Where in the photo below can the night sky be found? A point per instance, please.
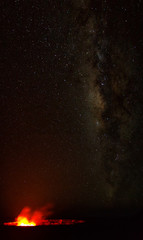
(71, 105)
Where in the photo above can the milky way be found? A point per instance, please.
(110, 74)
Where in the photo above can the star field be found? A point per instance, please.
(71, 104)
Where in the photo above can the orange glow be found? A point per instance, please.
(48, 222)
(29, 218)
(23, 221)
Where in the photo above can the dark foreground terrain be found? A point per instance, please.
(123, 228)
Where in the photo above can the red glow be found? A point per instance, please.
(27, 218)
(47, 222)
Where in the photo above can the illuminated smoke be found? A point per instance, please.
(29, 218)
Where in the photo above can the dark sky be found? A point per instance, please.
(71, 105)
